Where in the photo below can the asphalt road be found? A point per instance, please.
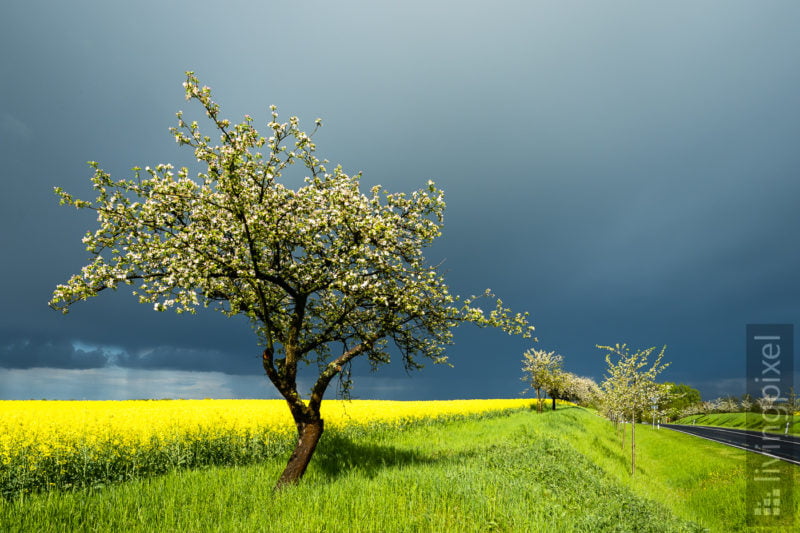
(785, 447)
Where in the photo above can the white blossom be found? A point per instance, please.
(318, 268)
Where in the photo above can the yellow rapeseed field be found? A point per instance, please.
(56, 444)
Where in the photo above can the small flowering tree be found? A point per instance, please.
(558, 386)
(746, 403)
(631, 383)
(765, 403)
(324, 272)
(792, 401)
(542, 370)
(613, 407)
(582, 390)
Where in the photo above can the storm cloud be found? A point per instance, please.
(625, 171)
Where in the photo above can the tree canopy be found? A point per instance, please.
(682, 396)
(324, 272)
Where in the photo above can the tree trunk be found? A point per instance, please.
(554, 403)
(538, 401)
(283, 374)
(633, 445)
(309, 433)
(622, 435)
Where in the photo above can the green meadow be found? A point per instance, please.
(556, 471)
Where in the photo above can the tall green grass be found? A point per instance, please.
(503, 474)
(695, 478)
(555, 471)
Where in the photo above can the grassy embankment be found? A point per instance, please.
(562, 471)
(695, 478)
(754, 421)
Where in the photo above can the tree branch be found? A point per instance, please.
(332, 369)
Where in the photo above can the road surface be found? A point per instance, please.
(785, 447)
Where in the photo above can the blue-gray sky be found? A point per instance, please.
(625, 171)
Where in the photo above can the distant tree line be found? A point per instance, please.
(742, 404)
(545, 374)
(626, 394)
(630, 393)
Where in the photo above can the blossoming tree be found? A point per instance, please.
(630, 385)
(543, 371)
(324, 272)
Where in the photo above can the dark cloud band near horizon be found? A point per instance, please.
(26, 354)
(627, 172)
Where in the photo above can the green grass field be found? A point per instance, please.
(754, 421)
(558, 471)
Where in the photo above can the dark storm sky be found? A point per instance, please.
(625, 171)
